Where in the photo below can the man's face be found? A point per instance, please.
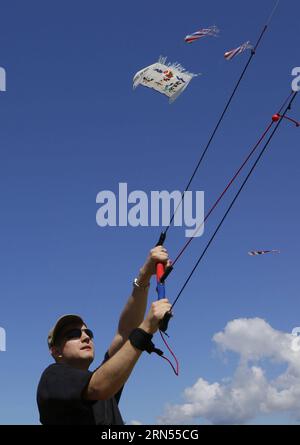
(72, 349)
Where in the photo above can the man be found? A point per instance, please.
(70, 394)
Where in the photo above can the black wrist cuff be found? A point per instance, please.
(141, 340)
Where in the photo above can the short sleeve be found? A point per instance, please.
(60, 399)
(61, 382)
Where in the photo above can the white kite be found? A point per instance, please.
(169, 79)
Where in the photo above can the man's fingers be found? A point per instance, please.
(158, 251)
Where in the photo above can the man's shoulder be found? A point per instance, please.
(60, 380)
(53, 368)
(48, 373)
(63, 368)
(59, 371)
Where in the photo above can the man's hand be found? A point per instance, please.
(156, 255)
(156, 313)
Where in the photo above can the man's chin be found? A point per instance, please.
(88, 356)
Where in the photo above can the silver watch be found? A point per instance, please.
(139, 286)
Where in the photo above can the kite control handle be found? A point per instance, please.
(161, 275)
(161, 293)
(163, 325)
(160, 286)
(164, 273)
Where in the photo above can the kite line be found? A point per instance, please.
(235, 197)
(253, 52)
(161, 272)
(275, 118)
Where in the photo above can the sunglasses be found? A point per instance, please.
(76, 333)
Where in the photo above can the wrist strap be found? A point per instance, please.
(141, 340)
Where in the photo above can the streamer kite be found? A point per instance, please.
(234, 52)
(211, 31)
(262, 252)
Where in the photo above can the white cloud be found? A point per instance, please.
(134, 422)
(248, 393)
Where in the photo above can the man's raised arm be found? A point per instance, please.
(135, 308)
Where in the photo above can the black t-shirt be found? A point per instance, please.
(60, 401)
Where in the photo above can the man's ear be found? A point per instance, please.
(56, 352)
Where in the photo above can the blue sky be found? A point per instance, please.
(71, 126)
